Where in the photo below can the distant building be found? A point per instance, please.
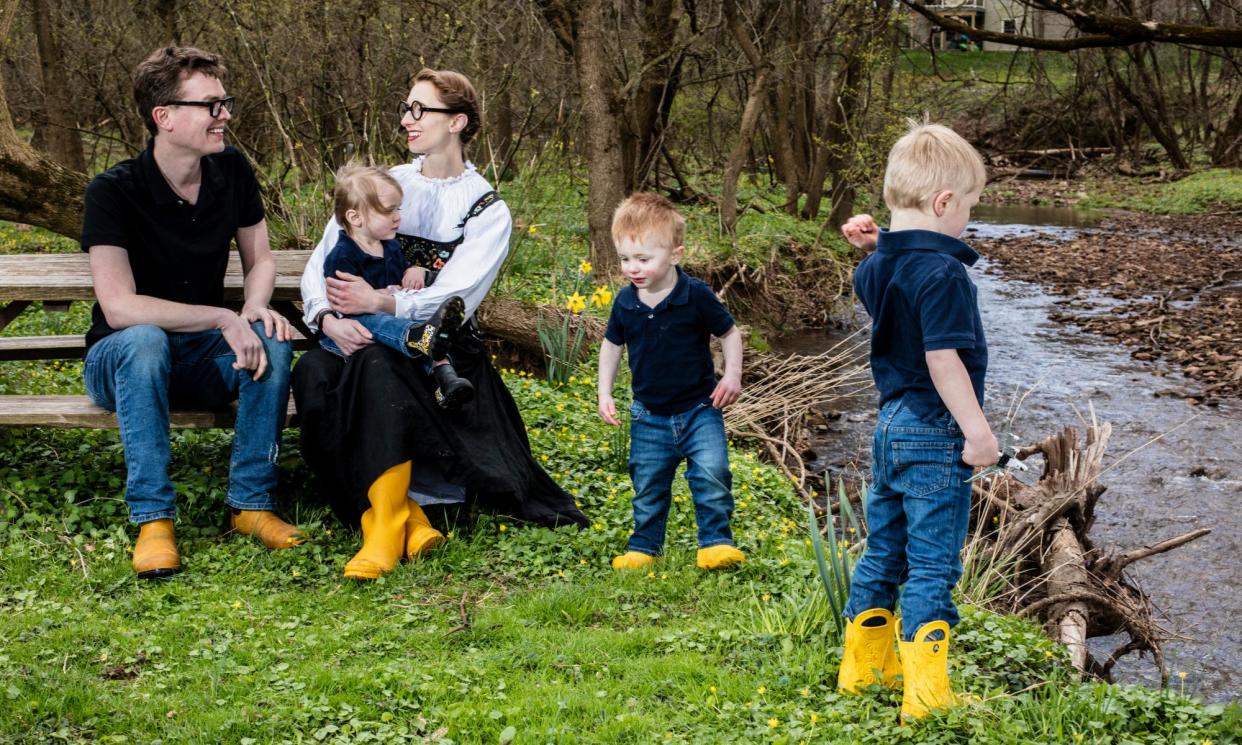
(1000, 16)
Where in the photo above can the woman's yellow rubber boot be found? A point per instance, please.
(420, 537)
(925, 671)
(383, 526)
(155, 552)
(869, 653)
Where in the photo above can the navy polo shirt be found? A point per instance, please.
(378, 271)
(668, 345)
(920, 298)
(177, 251)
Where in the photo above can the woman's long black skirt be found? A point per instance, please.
(362, 416)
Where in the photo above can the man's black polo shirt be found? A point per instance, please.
(668, 345)
(177, 251)
(920, 298)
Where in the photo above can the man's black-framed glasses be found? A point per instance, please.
(213, 107)
(416, 110)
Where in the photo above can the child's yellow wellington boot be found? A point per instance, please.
(155, 552)
(420, 537)
(632, 560)
(925, 671)
(383, 526)
(870, 656)
(267, 527)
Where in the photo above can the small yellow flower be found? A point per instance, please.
(585, 267)
(1181, 674)
(1048, 653)
(814, 717)
(545, 457)
(531, 230)
(296, 573)
(576, 303)
(805, 691)
(773, 723)
(650, 575)
(762, 690)
(712, 689)
(236, 604)
(503, 527)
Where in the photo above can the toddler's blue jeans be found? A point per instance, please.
(140, 371)
(390, 331)
(658, 444)
(918, 509)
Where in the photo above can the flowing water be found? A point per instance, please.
(1171, 467)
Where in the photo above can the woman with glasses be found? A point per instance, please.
(371, 428)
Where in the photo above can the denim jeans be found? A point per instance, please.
(918, 508)
(141, 371)
(390, 331)
(658, 444)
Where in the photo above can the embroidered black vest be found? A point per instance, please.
(432, 255)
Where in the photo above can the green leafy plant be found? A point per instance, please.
(835, 566)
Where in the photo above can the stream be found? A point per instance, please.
(1171, 467)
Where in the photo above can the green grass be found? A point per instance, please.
(1215, 190)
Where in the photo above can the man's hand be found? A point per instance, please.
(982, 451)
(608, 411)
(351, 295)
(348, 334)
(861, 232)
(415, 278)
(273, 322)
(727, 391)
(245, 344)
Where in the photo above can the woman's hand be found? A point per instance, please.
(348, 334)
(351, 295)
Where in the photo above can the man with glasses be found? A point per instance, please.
(159, 229)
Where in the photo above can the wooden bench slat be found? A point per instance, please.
(42, 347)
(69, 412)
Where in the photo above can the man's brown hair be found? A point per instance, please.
(457, 92)
(157, 79)
(645, 216)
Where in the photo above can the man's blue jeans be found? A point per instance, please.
(918, 509)
(658, 444)
(390, 331)
(140, 371)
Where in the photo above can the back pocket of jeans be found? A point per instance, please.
(923, 467)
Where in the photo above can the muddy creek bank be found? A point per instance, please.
(1172, 466)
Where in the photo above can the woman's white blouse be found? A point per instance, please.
(431, 208)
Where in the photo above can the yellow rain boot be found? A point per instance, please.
(870, 656)
(632, 560)
(155, 552)
(719, 557)
(383, 526)
(420, 537)
(267, 527)
(925, 672)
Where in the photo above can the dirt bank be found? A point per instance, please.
(1169, 288)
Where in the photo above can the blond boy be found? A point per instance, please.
(665, 319)
(928, 357)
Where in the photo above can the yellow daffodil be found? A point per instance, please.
(576, 303)
(601, 297)
(585, 267)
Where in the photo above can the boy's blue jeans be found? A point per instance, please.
(140, 371)
(390, 331)
(918, 509)
(658, 444)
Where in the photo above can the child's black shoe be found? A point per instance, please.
(436, 336)
(454, 391)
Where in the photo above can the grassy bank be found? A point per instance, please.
(1217, 190)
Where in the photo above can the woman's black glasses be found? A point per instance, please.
(213, 107)
(416, 110)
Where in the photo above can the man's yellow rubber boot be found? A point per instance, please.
(383, 526)
(420, 537)
(870, 656)
(719, 557)
(267, 527)
(925, 671)
(633, 560)
(155, 553)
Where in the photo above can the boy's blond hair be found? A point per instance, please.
(930, 158)
(647, 216)
(357, 188)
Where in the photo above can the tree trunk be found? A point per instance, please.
(602, 135)
(741, 148)
(60, 126)
(33, 188)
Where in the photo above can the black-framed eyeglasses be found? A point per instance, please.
(416, 110)
(213, 107)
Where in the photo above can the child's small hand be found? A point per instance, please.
(415, 278)
(727, 391)
(608, 411)
(981, 452)
(861, 232)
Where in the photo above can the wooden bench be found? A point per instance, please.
(56, 279)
